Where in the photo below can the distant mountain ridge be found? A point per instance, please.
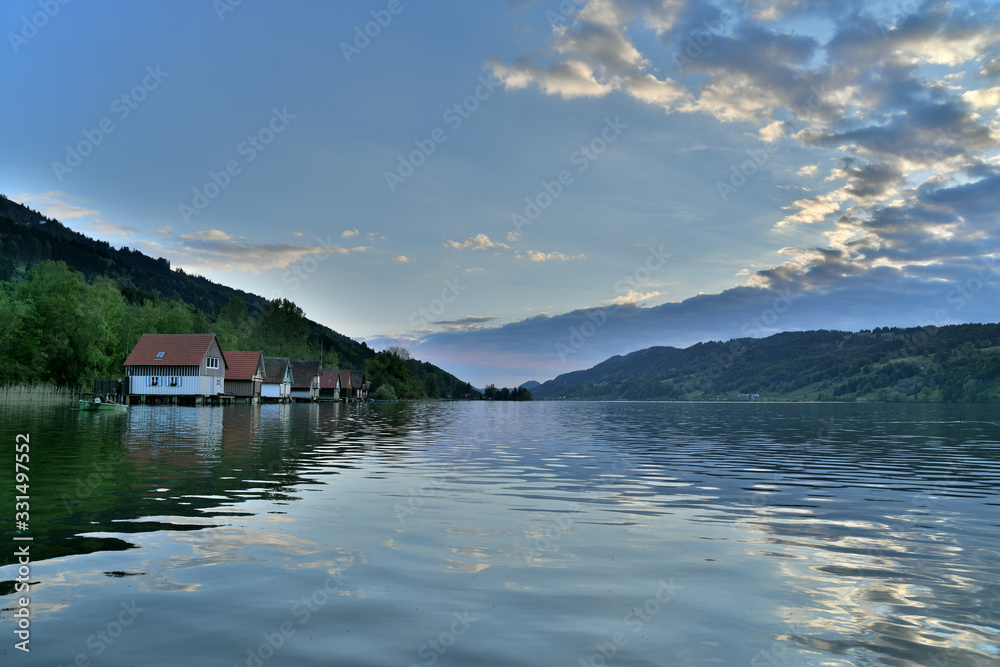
(955, 363)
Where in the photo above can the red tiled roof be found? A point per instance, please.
(345, 379)
(178, 350)
(329, 380)
(241, 365)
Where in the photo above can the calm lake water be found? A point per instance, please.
(508, 534)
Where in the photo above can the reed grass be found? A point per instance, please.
(37, 393)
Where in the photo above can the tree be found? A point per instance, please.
(385, 392)
(234, 326)
(389, 368)
(431, 387)
(284, 331)
(66, 331)
(399, 351)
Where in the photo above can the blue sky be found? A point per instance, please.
(517, 189)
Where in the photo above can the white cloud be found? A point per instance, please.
(110, 228)
(477, 242)
(54, 204)
(537, 256)
(633, 297)
(571, 79)
(208, 235)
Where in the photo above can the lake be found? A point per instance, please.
(547, 533)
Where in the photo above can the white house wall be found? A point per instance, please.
(186, 385)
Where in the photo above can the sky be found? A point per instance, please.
(517, 189)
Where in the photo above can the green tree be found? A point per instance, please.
(236, 328)
(385, 392)
(68, 334)
(389, 367)
(284, 331)
(13, 318)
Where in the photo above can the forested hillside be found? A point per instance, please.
(72, 308)
(958, 363)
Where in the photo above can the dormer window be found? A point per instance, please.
(159, 355)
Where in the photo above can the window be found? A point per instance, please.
(173, 382)
(159, 355)
(211, 362)
(154, 381)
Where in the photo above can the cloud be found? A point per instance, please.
(110, 228)
(348, 233)
(477, 242)
(536, 256)
(545, 346)
(569, 80)
(402, 259)
(208, 235)
(54, 204)
(909, 210)
(483, 242)
(633, 297)
(214, 249)
(466, 323)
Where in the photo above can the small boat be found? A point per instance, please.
(100, 405)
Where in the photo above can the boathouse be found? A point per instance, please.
(329, 386)
(352, 385)
(305, 380)
(276, 384)
(244, 374)
(345, 384)
(359, 386)
(170, 366)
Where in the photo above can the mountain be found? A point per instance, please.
(955, 363)
(27, 238)
(531, 384)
